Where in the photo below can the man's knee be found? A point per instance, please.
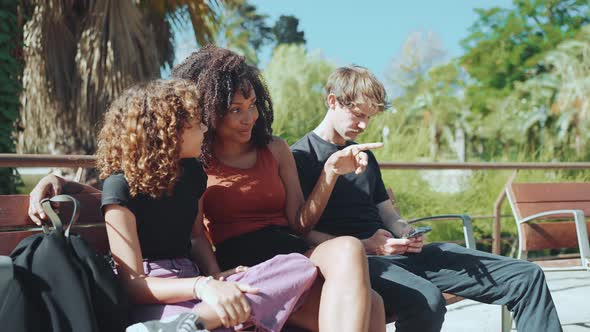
(425, 314)
(423, 306)
(434, 307)
(528, 273)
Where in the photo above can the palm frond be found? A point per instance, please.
(116, 49)
(47, 80)
(203, 15)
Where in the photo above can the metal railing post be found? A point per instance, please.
(497, 227)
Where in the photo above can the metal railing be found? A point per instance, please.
(84, 161)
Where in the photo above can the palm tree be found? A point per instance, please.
(436, 100)
(79, 54)
(556, 104)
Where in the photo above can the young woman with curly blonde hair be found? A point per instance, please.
(147, 152)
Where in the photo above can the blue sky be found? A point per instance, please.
(369, 32)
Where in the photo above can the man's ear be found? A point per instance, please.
(332, 101)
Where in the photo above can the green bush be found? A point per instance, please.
(10, 70)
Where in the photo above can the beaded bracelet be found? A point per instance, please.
(199, 285)
(195, 288)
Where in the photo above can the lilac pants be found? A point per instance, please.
(282, 280)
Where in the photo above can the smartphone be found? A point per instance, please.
(418, 231)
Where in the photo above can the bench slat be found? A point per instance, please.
(560, 263)
(549, 235)
(13, 214)
(551, 192)
(529, 209)
(452, 298)
(13, 210)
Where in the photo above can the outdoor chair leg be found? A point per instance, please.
(506, 319)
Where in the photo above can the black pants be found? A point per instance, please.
(411, 286)
(256, 247)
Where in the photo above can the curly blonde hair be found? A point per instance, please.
(142, 133)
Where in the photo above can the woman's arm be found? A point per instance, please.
(49, 186)
(302, 214)
(202, 253)
(124, 243)
(225, 298)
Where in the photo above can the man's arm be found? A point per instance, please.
(303, 214)
(392, 220)
(382, 242)
(399, 227)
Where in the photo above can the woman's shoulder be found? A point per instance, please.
(115, 181)
(278, 147)
(194, 175)
(278, 144)
(193, 166)
(115, 190)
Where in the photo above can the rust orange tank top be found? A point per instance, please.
(239, 201)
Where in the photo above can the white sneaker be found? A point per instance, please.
(184, 322)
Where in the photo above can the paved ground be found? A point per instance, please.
(571, 294)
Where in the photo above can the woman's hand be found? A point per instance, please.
(350, 159)
(228, 300)
(223, 275)
(49, 186)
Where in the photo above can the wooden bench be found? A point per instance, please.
(16, 225)
(505, 316)
(552, 216)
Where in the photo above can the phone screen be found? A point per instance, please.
(419, 231)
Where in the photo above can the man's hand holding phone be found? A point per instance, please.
(416, 238)
(416, 232)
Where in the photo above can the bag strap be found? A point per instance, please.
(55, 220)
(6, 271)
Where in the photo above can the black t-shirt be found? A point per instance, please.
(164, 224)
(352, 207)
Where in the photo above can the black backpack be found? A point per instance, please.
(56, 282)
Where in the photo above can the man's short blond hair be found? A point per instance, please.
(353, 85)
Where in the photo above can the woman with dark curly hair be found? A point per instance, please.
(147, 152)
(254, 206)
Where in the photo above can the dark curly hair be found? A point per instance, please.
(219, 73)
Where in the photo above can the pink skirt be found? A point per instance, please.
(282, 280)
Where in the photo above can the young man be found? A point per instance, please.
(408, 275)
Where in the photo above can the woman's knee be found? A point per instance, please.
(377, 317)
(347, 247)
(342, 256)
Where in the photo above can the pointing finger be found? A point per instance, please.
(368, 146)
